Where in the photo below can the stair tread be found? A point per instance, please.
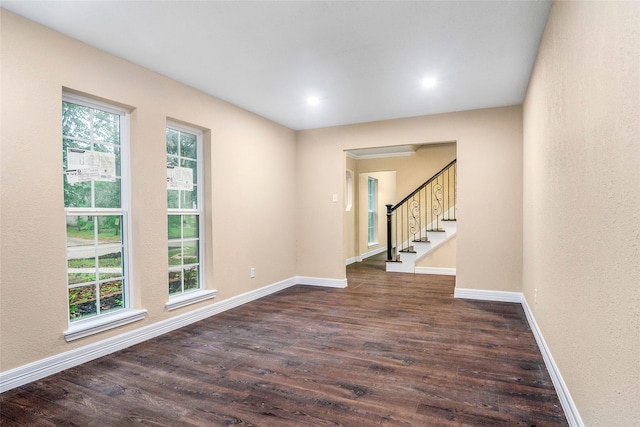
(422, 240)
(437, 230)
(452, 220)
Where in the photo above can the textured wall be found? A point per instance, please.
(252, 176)
(489, 151)
(411, 172)
(444, 256)
(581, 273)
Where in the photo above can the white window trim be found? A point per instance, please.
(190, 297)
(375, 212)
(196, 295)
(93, 325)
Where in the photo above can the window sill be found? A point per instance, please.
(370, 245)
(189, 298)
(84, 328)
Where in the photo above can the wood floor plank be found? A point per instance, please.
(389, 350)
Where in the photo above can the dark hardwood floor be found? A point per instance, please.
(394, 350)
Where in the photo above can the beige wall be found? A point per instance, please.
(412, 171)
(251, 187)
(581, 273)
(579, 268)
(444, 256)
(489, 152)
(266, 184)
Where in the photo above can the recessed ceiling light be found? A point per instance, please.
(313, 100)
(429, 82)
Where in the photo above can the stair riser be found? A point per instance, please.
(408, 259)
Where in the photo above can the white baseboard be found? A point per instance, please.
(51, 365)
(319, 281)
(481, 294)
(365, 255)
(372, 253)
(568, 405)
(436, 270)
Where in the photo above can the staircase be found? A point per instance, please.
(422, 221)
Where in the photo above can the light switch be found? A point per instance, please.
(335, 198)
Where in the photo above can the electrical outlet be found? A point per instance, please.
(252, 272)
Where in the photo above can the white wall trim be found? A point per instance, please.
(377, 156)
(352, 260)
(436, 270)
(480, 294)
(452, 212)
(189, 298)
(102, 323)
(381, 152)
(374, 252)
(51, 365)
(319, 281)
(568, 405)
(437, 242)
(365, 255)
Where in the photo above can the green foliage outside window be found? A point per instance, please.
(183, 227)
(94, 242)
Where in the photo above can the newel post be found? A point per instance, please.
(389, 257)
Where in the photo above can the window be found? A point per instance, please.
(372, 201)
(184, 202)
(94, 150)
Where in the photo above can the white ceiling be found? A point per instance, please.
(365, 60)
